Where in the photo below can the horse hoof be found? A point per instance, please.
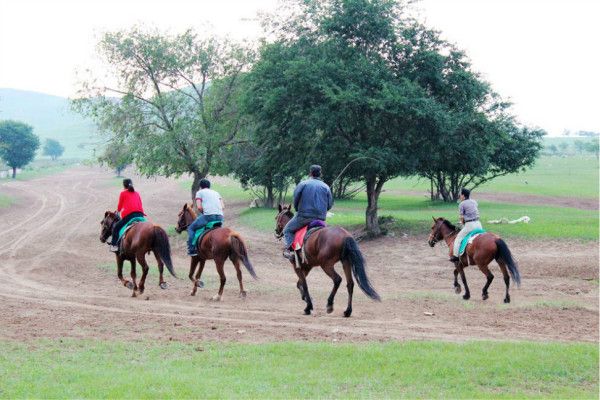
(133, 294)
(243, 294)
(193, 294)
(141, 290)
(507, 300)
(216, 298)
(329, 309)
(200, 284)
(129, 285)
(163, 285)
(466, 296)
(347, 313)
(307, 312)
(485, 296)
(457, 289)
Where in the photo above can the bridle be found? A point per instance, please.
(279, 226)
(433, 236)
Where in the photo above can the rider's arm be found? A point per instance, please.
(461, 214)
(120, 204)
(199, 204)
(298, 195)
(329, 199)
(222, 204)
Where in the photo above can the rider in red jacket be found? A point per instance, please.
(130, 206)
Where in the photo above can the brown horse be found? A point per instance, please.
(324, 248)
(140, 239)
(218, 244)
(484, 248)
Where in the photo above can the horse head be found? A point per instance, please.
(107, 223)
(185, 217)
(282, 218)
(440, 230)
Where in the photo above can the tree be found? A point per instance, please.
(563, 146)
(176, 108)
(53, 149)
(18, 144)
(116, 156)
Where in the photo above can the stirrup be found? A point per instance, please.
(289, 254)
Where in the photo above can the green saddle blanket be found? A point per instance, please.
(200, 232)
(465, 241)
(134, 220)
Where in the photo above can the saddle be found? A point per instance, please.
(200, 233)
(301, 237)
(124, 229)
(469, 239)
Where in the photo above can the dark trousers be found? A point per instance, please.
(120, 224)
(200, 222)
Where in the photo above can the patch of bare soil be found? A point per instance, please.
(58, 280)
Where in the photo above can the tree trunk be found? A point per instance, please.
(373, 191)
(270, 197)
(14, 174)
(198, 176)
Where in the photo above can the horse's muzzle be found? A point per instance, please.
(431, 243)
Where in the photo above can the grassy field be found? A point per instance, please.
(5, 201)
(94, 369)
(575, 176)
(42, 167)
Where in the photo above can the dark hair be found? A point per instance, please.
(465, 192)
(204, 184)
(315, 171)
(128, 184)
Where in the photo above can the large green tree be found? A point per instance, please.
(53, 148)
(18, 144)
(171, 101)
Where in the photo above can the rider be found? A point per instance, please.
(129, 207)
(312, 200)
(210, 208)
(469, 217)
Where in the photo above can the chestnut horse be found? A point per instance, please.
(324, 248)
(218, 244)
(484, 248)
(141, 238)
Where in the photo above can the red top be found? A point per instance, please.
(129, 202)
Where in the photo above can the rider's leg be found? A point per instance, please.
(194, 226)
(293, 225)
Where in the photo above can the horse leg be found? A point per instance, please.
(350, 285)
(299, 283)
(142, 260)
(196, 279)
(506, 280)
(125, 282)
(161, 281)
(337, 280)
(236, 264)
(467, 294)
(490, 278)
(457, 288)
(304, 289)
(220, 270)
(133, 276)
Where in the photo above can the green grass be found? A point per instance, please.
(413, 215)
(40, 168)
(94, 369)
(575, 176)
(5, 201)
(228, 188)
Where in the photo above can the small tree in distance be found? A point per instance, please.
(116, 156)
(18, 144)
(53, 149)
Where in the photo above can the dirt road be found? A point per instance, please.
(58, 280)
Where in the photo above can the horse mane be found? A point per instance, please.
(449, 225)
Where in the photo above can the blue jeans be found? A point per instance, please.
(200, 222)
(296, 223)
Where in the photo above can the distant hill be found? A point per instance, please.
(50, 117)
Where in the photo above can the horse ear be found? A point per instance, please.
(106, 214)
(289, 207)
(279, 207)
(185, 206)
(434, 220)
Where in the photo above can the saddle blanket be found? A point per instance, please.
(205, 229)
(469, 239)
(300, 235)
(131, 223)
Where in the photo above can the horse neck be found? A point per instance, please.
(448, 234)
(192, 216)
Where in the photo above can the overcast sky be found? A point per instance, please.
(542, 55)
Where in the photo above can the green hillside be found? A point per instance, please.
(50, 117)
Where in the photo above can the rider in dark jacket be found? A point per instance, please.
(312, 200)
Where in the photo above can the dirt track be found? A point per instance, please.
(58, 280)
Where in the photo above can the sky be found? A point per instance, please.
(541, 55)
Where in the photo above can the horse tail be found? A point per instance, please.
(239, 251)
(163, 248)
(352, 254)
(503, 254)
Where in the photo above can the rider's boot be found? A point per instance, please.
(454, 259)
(289, 254)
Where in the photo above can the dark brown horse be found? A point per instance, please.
(324, 248)
(218, 244)
(484, 248)
(140, 239)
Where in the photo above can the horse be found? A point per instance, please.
(141, 238)
(484, 248)
(324, 248)
(218, 244)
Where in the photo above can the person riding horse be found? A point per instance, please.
(312, 200)
(469, 217)
(129, 207)
(210, 208)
